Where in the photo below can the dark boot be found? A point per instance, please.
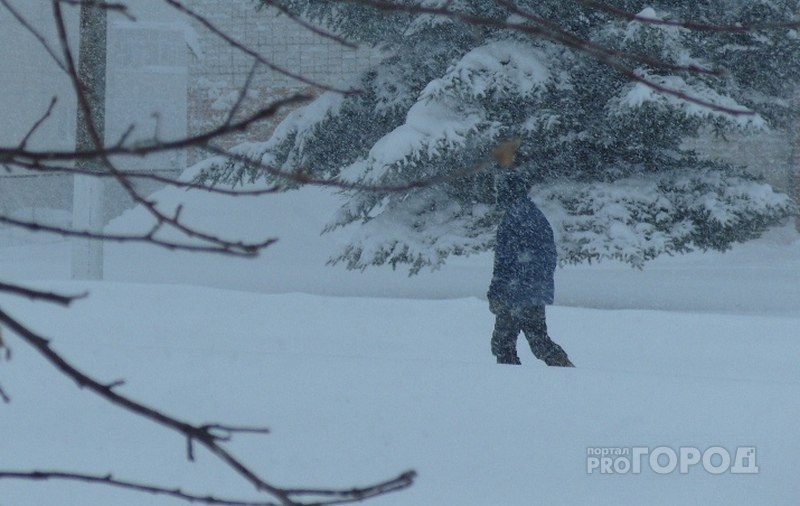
(508, 359)
(504, 338)
(558, 358)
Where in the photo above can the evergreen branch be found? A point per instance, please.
(601, 53)
(502, 153)
(690, 25)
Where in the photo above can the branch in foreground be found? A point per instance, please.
(108, 479)
(30, 293)
(15, 155)
(175, 4)
(333, 496)
(213, 244)
(148, 176)
(33, 31)
(358, 494)
(208, 436)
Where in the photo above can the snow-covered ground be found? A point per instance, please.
(361, 376)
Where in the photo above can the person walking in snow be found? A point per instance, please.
(522, 281)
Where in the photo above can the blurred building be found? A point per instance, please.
(169, 75)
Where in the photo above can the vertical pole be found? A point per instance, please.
(87, 201)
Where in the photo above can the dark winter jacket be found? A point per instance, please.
(524, 257)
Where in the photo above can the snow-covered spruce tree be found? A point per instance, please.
(602, 150)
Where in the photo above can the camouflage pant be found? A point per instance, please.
(531, 321)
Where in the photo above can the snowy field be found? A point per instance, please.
(361, 376)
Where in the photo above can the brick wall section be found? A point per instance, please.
(218, 74)
(766, 155)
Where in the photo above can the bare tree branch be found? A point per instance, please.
(13, 155)
(24, 142)
(401, 482)
(213, 244)
(242, 94)
(39, 37)
(30, 293)
(308, 26)
(254, 54)
(147, 176)
(128, 485)
(207, 435)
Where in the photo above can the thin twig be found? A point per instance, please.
(308, 26)
(30, 293)
(192, 432)
(213, 244)
(144, 175)
(128, 485)
(254, 54)
(38, 123)
(39, 37)
(243, 91)
(9, 155)
(401, 482)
